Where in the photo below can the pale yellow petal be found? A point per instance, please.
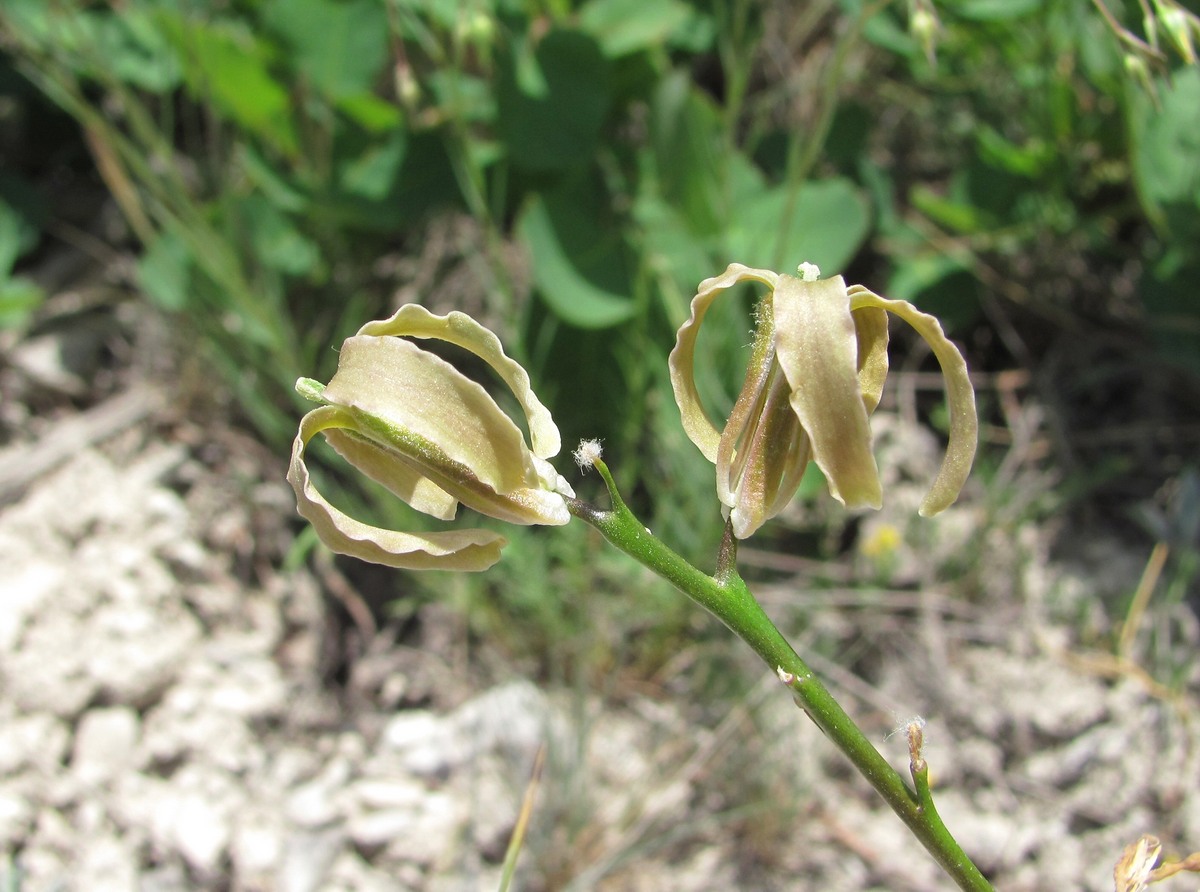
(960, 396)
(413, 320)
(696, 423)
(817, 346)
(386, 468)
(770, 461)
(410, 389)
(871, 330)
(733, 448)
(456, 550)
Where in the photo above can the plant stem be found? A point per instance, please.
(727, 597)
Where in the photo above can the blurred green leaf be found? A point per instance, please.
(1167, 155)
(462, 96)
(685, 137)
(918, 272)
(17, 236)
(371, 113)
(270, 180)
(826, 225)
(164, 272)
(579, 267)
(133, 47)
(629, 26)
(228, 66)
(958, 216)
(994, 10)
(560, 127)
(373, 173)
(669, 247)
(340, 46)
(1028, 160)
(277, 242)
(18, 298)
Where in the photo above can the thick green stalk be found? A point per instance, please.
(726, 596)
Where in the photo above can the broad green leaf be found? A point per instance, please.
(576, 266)
(959, 216)
(685, 136)
(371, 113)
(135, 49)
(559, 128)
(282, 193)
(339, 47)
(463, 97)
(669, 247)
(629, 26)
(1028, 160)
(18, 298)
(826, 226)
(373, 173)
(917, 272)
(227, 66)
(993, 10)
(1166, 168)
(276, 240)
(16, 236)
(164, 272)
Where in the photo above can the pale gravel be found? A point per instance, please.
(165, 727)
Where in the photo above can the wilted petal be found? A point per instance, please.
(427, 414)
(413, 320)
(410, 389)
(964, 423)
(763, 450)
(817, 346)
(397, 476)
(871, 330)
(696, 423)
(454, 550)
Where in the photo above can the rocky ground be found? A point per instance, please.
(168, 719)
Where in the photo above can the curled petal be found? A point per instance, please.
(871, 330)
(413, 320)
(454, 550)
(817, 347)
(400, 478)
(964, 423)
(696, 423)
(393, 384)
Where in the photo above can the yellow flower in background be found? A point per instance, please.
(816, 372)
(413, 423)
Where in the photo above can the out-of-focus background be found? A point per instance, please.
(199, 200)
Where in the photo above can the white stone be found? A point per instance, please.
(307, 859)
(106, 864)
(425, 743)
(315, 804)
(27, 592)
(257, 846)
(105, 741)
(437, 829)
(396, 792)
(16, 816)
(37, 740)
(200, 830)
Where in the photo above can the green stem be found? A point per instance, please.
(727, 597)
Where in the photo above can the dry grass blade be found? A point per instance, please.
(518, 835)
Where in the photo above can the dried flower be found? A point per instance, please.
(816, 372)
(412, 422)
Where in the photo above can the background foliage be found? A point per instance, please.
(568, 171)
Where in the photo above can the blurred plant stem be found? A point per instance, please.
(727, 597)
